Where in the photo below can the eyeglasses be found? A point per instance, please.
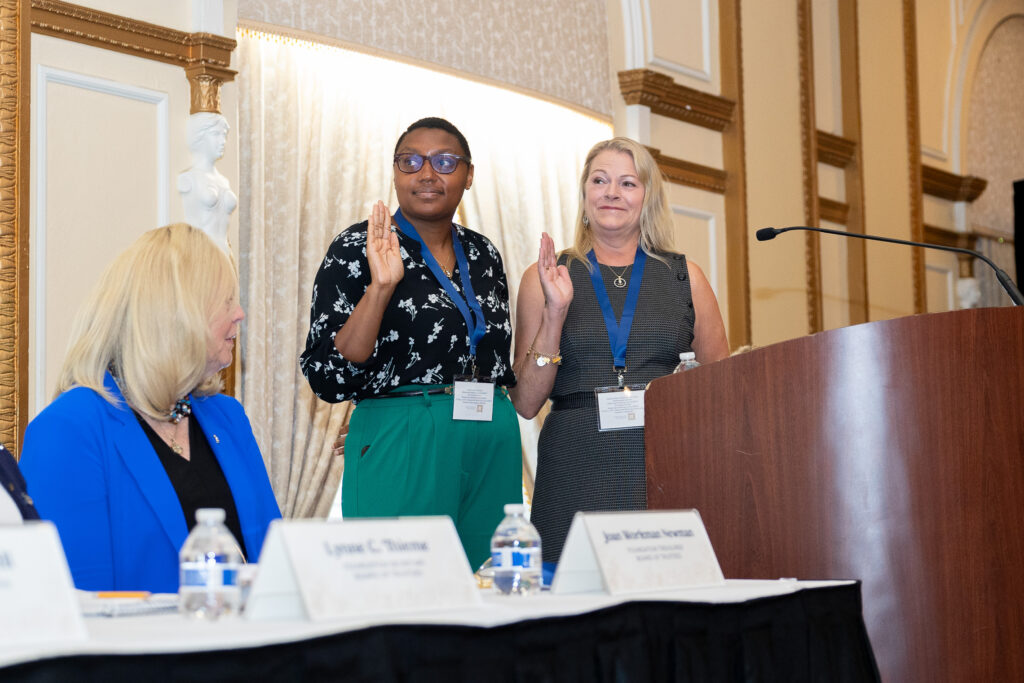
(442, 163)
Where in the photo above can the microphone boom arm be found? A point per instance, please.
(1004, 279)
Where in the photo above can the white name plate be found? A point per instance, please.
(631, 552)
(327, 570)
(38, 598)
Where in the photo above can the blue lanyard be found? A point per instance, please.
(618, 332)
(471, 313)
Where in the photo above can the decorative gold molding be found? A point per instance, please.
(856, 251)
(734, 162)
(688, 173)
(14, 200)
(205, 57)
(835, 150)
(833, 211)
(946, 185)
(666, 97)
(809, 153)
(914, 151)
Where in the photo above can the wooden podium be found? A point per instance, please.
(889, 452)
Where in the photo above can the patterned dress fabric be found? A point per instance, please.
(578, 466)
(423, 337)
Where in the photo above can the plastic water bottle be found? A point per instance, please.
(209, 564)
(515, 554)
(687, 361)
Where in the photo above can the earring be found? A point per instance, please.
(586, 221)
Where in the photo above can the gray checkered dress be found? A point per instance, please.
(579, 467)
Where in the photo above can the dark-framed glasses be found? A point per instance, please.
(442, 163)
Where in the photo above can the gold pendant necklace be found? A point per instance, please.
(446, 271)
(619, 281)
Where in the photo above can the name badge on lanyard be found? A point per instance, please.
(619, 406)
(473, 398)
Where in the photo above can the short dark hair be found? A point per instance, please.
(440, 124)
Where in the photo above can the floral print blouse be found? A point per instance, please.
(423, 337)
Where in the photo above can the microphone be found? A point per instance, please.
(765, 234)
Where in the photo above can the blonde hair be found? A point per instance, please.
(655, 215)
(149, 317)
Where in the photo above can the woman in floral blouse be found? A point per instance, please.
(410, 319)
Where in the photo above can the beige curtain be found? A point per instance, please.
(318, 127)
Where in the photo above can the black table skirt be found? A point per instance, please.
(811, 635)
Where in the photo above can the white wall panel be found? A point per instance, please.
(835, 278)
(108, 139)
(699, 219)
(686, 141)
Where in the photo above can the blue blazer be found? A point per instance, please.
(93, 471)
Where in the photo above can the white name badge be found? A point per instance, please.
(473, 400)
(620, 407)
(317, 570)
(36, 591)
(630, 552)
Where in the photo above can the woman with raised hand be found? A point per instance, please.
(410, 319)
(594, 325)
(138, 437)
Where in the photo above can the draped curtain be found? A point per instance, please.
(318, 126)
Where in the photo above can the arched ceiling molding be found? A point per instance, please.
(983, 23)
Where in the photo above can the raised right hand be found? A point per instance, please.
(382, 250)
(554, 279)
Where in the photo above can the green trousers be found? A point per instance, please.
(407, 456)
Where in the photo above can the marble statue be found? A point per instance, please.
(205, 192)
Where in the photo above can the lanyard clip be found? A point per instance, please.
(622, 375)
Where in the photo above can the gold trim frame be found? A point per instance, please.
(14, 227)
(809, 154)
(737, 233)
(914, 152)
(205, 57)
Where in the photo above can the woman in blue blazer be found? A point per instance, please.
(138, 436)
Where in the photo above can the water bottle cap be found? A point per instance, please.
(687, 355)
(210, 515)
(514, 508)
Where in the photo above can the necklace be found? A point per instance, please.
(168, 436)
(619, 280)
(446, 271)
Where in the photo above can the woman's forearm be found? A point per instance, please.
(357, 338)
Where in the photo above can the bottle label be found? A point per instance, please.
(508, 557)
(209, 575)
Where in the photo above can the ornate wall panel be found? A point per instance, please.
(14, 160)
(204, 56)
(914, 150)
(995, 136)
